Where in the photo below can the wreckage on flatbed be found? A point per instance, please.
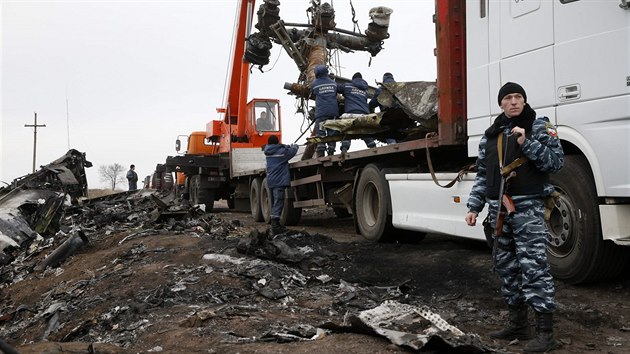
(414, 115)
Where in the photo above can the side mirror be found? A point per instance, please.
(178, 145)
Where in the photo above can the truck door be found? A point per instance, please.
(507, 41)
(521, 43)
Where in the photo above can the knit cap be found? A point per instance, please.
(511, 87)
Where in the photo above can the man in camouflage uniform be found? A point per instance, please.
(521, 255)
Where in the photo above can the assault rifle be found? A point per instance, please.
(504, 201)
(505, 207)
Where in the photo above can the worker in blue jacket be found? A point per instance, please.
(355, 95)
(278, 177)
(324, 91)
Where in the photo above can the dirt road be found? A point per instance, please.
(203, 287)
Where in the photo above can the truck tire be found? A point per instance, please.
(372, 203)
(577, 253)
(254, 199)
(198, 195)
(265, 201)
(290, 216)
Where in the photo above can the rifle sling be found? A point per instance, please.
(514, 164)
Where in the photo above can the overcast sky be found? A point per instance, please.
(119, 80)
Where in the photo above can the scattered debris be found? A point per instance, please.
(135, 271)
(34, 204)
(67, 249)
(411, 326)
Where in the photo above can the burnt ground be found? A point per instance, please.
(142, 288)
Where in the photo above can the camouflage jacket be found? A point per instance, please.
(543, 149)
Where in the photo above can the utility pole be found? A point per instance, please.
(34, 126)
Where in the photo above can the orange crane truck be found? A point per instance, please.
(225, 161)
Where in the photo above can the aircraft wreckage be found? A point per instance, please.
(32, 205)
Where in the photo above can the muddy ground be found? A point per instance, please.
(139, 287)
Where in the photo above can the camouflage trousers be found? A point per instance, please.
(522, 256)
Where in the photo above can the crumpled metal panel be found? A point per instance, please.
(419, 99)
(393, 320)
(15, 226)
(65, 174)
(33, 204)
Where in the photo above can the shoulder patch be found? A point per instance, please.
(551, 130)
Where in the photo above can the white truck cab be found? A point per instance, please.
(573, 59)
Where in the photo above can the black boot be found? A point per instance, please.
(544, 341)
(320, 153)
(276, 227)
(518, 328)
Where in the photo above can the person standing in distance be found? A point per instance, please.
(521, 256)
(132, 178)
(278, 178)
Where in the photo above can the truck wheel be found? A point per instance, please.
(290, 215)
(372, 202)
(198, 195)
(265, 201)
(577, 253)
(254, 199)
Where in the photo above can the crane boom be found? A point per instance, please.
(239, 71)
